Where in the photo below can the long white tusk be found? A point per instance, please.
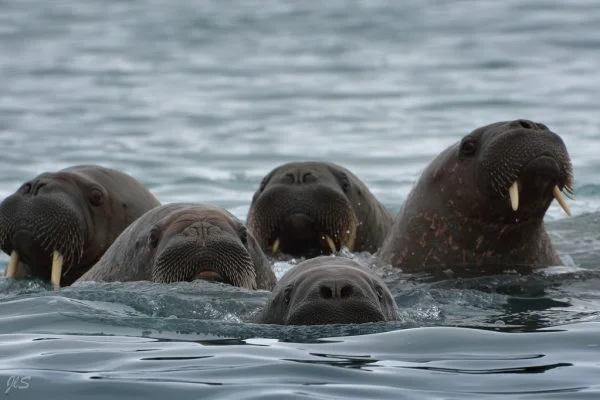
(13, 264)
(561, 200)
(57, 264)
(513, 192)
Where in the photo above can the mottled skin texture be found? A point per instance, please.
(459, 212)
(78, 211)
(301, 202)
(184, 242)
(329, 290)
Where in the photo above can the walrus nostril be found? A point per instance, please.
(308, 177)
(334, 290)
(346, 291)
(289, 179)
(326, 292)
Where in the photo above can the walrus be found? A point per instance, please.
(57, 225)
(183, 242)
(306, 209)
(329, 290)
(481, 202)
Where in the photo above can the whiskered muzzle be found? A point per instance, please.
(44, 234)
(215, 260)
(303, 221)
(530, 164)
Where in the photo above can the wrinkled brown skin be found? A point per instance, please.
(183, 242)
(79, 211)
(329, 290)
(459, 212)
(339, 204)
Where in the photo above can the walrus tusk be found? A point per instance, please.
(13, 264)
(561, 200)
(57, 264)
(513, 192)
(275, 247)
(330, 243)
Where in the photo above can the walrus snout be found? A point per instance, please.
(299, 221)
(336, 300)
(210, 255)
(336, 289)
(526, 163)
(43, 230)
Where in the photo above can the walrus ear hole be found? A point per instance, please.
(379, 291)
(263, 183)
(153, 237)
(96, 197)
(244, 235)
(468, 147)
(287, 295)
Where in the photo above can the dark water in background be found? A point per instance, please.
(200, 99)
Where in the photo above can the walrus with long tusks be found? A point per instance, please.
(184, 242)
(306, 209)
(482, 201)
(59, 224)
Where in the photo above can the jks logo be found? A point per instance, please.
(17, 382)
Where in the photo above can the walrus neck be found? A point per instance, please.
(451, 240)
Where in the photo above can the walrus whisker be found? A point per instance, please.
(561, 200)
(57, 264)
(568, 192)
(13, 264)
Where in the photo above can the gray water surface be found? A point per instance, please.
(200, 99)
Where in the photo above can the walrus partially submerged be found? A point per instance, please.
(482, 202)
(306, 209)
(57, 225)
(329, 290)
(184, 242)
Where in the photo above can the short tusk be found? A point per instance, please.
(513, 192)
(13, 265)
(57, 264)
(330, 243)
(275, 248)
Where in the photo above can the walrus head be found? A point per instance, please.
(201, 243)
(326, 290)
(305, 209)
(507, 173)
(481, 202)
(46, 224)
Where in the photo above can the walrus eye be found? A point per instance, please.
(96, 197)
(345, 183)
(25, 188)
(154, 237)
(468, 147)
